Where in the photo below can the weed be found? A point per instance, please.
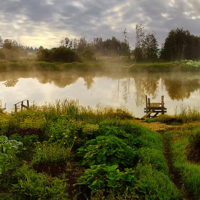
(53, 152)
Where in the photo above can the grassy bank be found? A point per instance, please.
(186, 115)
(65, 151)
(178, 66)
(46, 66)
(185, 155)
(101, 65)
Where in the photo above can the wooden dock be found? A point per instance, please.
(154, 108)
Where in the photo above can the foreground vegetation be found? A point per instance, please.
(65, 151)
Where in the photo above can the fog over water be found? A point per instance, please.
(115, 90)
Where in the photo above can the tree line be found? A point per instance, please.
(179, 44)
(108, 47)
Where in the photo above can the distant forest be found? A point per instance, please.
(179, 45)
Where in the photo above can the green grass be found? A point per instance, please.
(188, 172)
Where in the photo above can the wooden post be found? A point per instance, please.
(146, 104)
(15, 107)
(28, 103)
(162, 102)
(21, 105)
(149, 107)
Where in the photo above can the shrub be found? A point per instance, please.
(99, 177)
(8, 149)
(108, 150)
(60, 54)
(32, 185)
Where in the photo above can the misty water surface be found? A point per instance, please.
(115, 90)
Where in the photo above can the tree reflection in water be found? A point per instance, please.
(10, 82)
(178, 86)
(145, 86)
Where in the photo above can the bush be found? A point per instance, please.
(99, 177)
(108, 150)
(60, 54)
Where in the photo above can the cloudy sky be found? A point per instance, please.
(46, 22)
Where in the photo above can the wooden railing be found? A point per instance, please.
(22, 105)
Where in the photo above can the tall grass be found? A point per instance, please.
(74, 110)
(188, 114)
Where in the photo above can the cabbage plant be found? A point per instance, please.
(8, 149)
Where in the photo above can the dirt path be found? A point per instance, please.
(160, 127)
(172, 173)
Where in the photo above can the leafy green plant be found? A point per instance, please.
(27, 140)
(128, 133)
(99, 177)
(108, 150)
(8, 149)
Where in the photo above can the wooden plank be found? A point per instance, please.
(145, 116)
(155, 105)
(155, 108)
(21, 101)
(25, 106)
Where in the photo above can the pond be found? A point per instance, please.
(115, 89)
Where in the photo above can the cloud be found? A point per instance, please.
(46, 22)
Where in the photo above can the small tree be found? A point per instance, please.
(150, 46)
(125, 34)
(140, 36)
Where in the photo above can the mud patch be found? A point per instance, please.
(73, 173)
(53, 169)
(71, 170)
